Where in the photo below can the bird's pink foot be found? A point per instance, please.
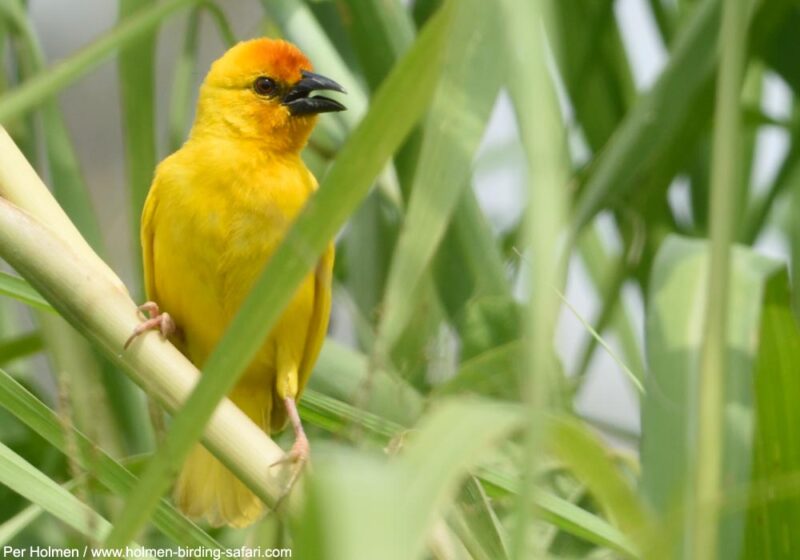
(156, 320)
(300, 453)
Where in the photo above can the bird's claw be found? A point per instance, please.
(298, 456)
(156, 320)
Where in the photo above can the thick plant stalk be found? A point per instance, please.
(20, 185)
(88, 294)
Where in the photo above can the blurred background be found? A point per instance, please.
(635, 82)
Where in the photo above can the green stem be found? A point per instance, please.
(544, 140)
(711, 385)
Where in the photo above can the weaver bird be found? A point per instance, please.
(216, 211)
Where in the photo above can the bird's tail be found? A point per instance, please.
(207, 489)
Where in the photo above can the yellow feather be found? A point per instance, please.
(217, 210)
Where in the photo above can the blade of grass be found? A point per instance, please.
(11, 528)
(544, 140)
(372, 233)
(594, 67)
(481, 524)
(340, 372)
(54, 79)
(655, 118)
(32, 484)
(468, 239)
(453, 132)
(360, 161)
(136, 67)
(449, 440)
(589, 460)
(776, 453)
(180, 110)
(381, 32)
(223, 25)
(706, 483)
(331, 414)
(604, 269)
(182, 82)
(465, 428)
(22, 128)
(669, 414)
(20, 346)
(111, 474)
(80, 380)
(566, 515)
(19, 289)
(634, 378)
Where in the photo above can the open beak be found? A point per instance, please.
(299, 103)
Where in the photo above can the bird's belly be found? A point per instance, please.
(204, 272)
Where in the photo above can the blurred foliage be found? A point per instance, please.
(431, 437)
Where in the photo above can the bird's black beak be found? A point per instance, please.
(299, 103)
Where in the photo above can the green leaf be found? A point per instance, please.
(458, 116)
(332, 415)
(528, 26)
(20, 347)
(136, 66)
(675, 330)
(481, 530)
(350, 491)
(19, 289)
(774, 38)
(380, 31)
(594, 66)
(342, 373)
(18, 523)
(608, 274)
(33, 485)
(39, 418)
(776, 446)
(493, 373)
(655, 118)
(581, 451)
(726, 191)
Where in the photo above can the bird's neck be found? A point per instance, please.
(218, 116)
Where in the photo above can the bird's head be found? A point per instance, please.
(263, 89)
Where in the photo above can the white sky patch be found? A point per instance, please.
(776, 99)
(642, 41)
(680, 201)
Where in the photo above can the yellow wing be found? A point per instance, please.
(315, 335)
(147, 233)
(319, 320)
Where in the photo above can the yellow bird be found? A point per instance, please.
(216, 211)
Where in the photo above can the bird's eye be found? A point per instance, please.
(265, 86)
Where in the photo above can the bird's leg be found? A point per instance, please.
(300, 452)
(156, 320)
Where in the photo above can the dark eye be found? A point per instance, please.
(265, 86)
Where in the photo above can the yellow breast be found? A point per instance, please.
(216, 212)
